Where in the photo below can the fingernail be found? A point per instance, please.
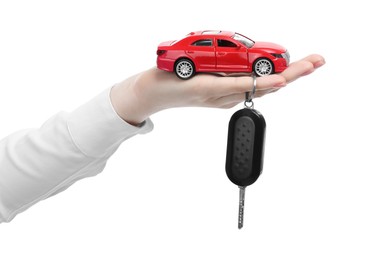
(319, 63)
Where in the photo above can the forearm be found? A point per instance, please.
(38, 163)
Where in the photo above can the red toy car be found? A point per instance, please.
(220, 51)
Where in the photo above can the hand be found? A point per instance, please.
(151, 91)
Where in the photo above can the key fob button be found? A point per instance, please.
(242, 150)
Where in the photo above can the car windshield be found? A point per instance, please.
(243, 40)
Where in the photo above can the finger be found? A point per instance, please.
(316, 60)
(302, 67)
(297, 70)
(269, 82)
(232, 100)
(224, 86)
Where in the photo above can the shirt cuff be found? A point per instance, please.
(96, 128)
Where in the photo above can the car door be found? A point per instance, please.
(231, 56)
(202, 52)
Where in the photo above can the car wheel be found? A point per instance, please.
(263, 67)
(184, 68)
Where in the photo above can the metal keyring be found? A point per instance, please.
(248, 103)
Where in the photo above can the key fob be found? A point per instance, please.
(245, 147)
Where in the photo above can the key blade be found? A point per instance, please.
(241, 206)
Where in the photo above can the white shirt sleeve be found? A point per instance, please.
(38, 163)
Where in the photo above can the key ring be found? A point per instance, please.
(248, 103)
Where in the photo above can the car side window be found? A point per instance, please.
(225, 43)
(204, 42)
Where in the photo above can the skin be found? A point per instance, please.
(146, 93)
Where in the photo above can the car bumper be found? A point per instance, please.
(165, 64)
(280, 65)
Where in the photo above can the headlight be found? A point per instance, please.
(286, 56)
(276, 55)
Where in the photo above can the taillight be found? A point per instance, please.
(160, 52)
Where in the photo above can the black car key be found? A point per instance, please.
(245, 151)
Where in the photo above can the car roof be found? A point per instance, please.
(212, 32)
(200, 34)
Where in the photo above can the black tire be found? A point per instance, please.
(184, 68)
(263, 67)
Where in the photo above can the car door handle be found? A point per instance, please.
(222, 53)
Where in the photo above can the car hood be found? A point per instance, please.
(273, 47)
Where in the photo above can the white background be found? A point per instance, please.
(165, 195)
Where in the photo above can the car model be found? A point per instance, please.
(220, 51)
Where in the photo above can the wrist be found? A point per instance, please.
(126, 103)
